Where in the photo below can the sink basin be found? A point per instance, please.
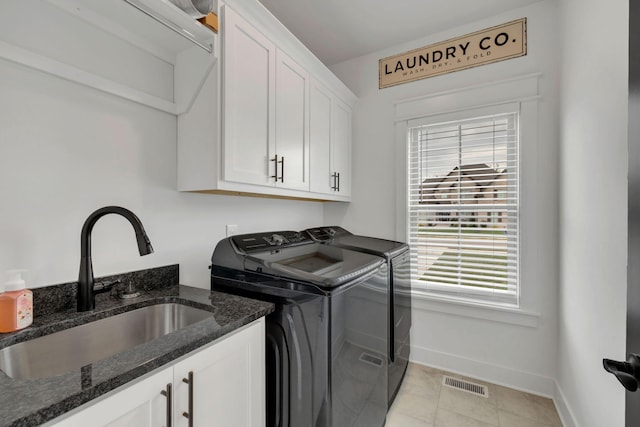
(76, 347)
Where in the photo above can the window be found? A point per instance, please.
(463, 206)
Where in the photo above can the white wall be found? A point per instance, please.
(593, 208)
(66, 150)
(450, 336)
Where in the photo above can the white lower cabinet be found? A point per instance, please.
(228, 382)
(220, 385)
(141, 404)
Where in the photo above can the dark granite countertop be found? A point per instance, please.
(33, 402)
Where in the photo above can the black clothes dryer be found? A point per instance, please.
(397, 257)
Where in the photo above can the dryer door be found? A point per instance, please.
(277, 376)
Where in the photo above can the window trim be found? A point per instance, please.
(476, 310)
(471, 294)
(525, 90)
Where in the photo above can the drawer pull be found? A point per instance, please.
(189, 415)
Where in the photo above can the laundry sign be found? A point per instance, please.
(494, 44)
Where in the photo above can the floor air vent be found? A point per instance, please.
(477, 389)
(371, 359)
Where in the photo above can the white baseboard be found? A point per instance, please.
(564, 411)
(519, 380)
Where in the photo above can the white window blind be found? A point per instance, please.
(463, 207)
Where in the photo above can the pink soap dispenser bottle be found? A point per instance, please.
(16, 303)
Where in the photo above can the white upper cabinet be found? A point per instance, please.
(146, 51)
(265, 110)
(321, 170)
(261, 139)
(292, 124)
(341, 147)
(330, 143)
(249, 81)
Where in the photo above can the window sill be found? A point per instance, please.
(476, 310)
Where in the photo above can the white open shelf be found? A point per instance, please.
(137, 21)
(174, 50)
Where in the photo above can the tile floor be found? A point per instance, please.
(423, 401)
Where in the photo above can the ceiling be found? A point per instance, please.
(337, 30)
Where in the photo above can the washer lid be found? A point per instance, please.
(338, 236)
(323, 265)
(372, 245)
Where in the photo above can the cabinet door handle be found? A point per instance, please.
(335, 181)
(189, 415)
(167, 393)
(275, 166)
(338, 189)
(281, 170)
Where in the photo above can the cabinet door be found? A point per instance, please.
(320, 139)
(292, 123)
(141, 404)
(341, 146)
(248, 83)
(330, 142)
(228, 381)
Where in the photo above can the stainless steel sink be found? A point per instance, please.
(76, 347)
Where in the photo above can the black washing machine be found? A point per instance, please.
(397, 257)
(326, 342)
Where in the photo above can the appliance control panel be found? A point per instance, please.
(324, 234)
(256, 242)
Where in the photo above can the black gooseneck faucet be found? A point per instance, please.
(86, 294)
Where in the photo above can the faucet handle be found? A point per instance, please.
(101, 287)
